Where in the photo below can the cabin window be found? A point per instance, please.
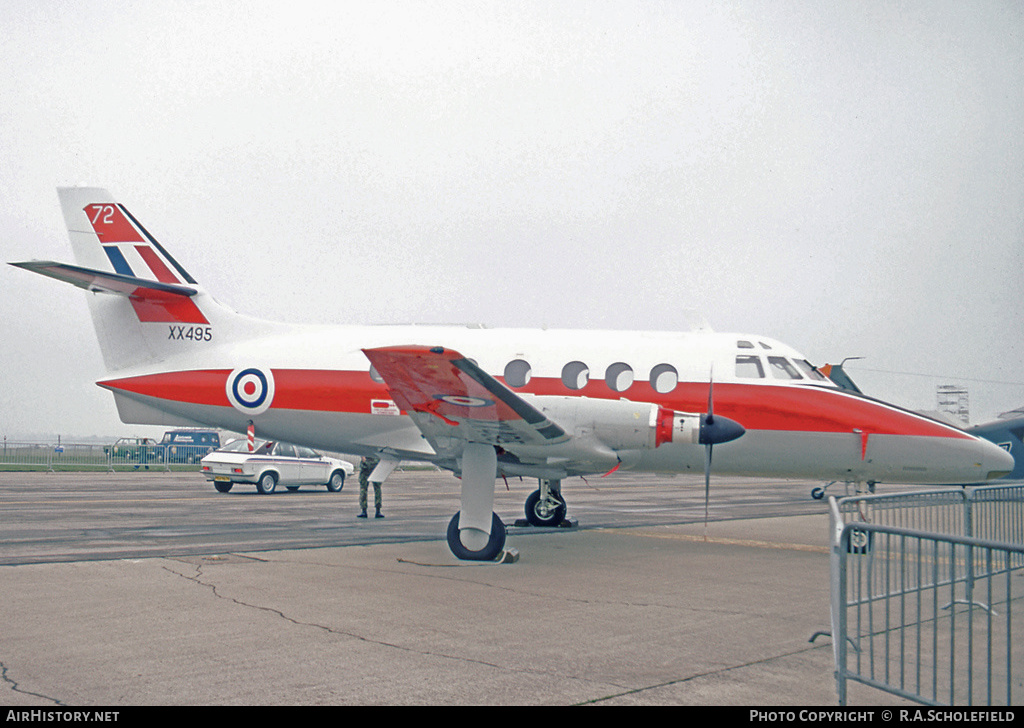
(575, 375)
(517, 373)
(782, 369)
(664, 378)
(749, 366)
(375, 376)
(810, 370)
(619, 377)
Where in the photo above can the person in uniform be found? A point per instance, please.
(365, 468)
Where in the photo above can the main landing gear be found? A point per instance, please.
(493, 543)
(476, 533)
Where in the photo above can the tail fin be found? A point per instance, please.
(93, 216)
(156, 305)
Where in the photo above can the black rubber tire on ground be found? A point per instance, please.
(490, 552)
(541, 520)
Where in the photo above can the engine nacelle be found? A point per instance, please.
(619, 424)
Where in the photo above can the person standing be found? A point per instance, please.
(365, 469)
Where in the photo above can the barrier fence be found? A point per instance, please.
(78, 456)
(925, 589)
(117, 456)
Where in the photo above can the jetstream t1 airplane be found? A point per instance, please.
(485, 403)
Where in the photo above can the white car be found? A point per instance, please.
(273, 463)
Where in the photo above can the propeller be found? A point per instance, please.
(714, 430)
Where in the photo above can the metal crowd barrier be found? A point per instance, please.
(925, 588)
(73, 456)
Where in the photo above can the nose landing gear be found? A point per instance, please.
(545, 507)
(819, 492)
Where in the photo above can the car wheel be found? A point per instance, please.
(337, 481)
(267, 483)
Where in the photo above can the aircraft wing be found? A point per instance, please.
(449, 396)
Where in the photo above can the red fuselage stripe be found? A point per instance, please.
(756, 407)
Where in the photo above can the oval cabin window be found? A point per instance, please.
(619, 377)
(664, 378)
(517, 373)
(575, 375)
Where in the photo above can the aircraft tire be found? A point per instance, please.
(267, 483)
(817, 493)
(337, 481)
(222, 487)
(490, 552)
(540, 515)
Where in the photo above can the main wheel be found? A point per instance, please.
(267, 483)
(490, 552)
(544, 513)
(337, 481)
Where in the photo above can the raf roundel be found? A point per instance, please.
(250, 390)
(463, 400)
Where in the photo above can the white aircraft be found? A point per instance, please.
(485, 403)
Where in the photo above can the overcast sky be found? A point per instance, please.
(845, 177)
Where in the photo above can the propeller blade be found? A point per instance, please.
(714, 430)
(707, 485)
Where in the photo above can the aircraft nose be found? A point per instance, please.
(995, 461)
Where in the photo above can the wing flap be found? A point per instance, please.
(450, 396)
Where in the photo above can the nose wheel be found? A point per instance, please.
(819, 492)
(545, 511)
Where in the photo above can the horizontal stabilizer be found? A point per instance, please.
(99, 281)
(153, 301)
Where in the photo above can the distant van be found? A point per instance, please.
(189, 446)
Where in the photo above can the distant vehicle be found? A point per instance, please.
(271, 464)
(140, 450)
(189, 446)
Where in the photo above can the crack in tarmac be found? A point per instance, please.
(488, 585)
(13, 684)
(197, 579)
(697, 676)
